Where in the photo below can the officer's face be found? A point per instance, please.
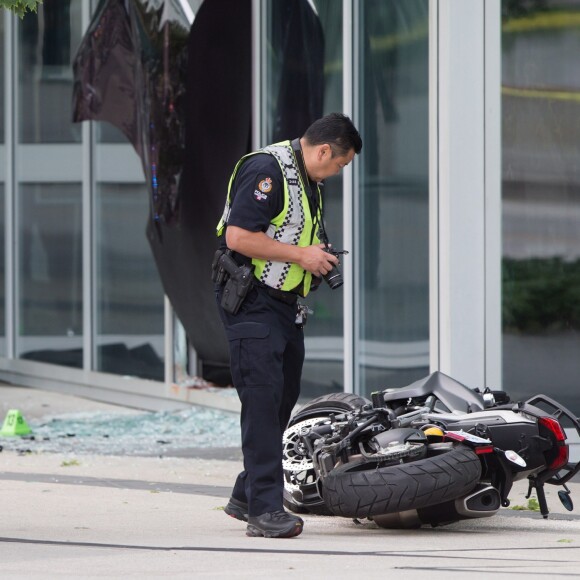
(328, 164)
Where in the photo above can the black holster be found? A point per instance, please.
(238, 280)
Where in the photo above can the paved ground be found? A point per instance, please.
(101, 516)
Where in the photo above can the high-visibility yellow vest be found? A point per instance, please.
(294, 225)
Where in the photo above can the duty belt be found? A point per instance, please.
(281, 295)
(238, 279)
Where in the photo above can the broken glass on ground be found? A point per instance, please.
(139, 433)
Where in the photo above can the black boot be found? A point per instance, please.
(237, 509)
(278, 524)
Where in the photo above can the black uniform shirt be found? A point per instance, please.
(257, 193)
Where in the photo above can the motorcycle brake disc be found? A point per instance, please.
(295, 456)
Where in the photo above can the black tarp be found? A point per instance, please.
(130, 71)
(218, 133)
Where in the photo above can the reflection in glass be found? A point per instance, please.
(2, 273)
(393, 244)
(323, 367)
(2, 17)
(2, 217)
(129, 296)
(47, 42)
(50, 273)
(107, 133)
(296, 58)
(324, 333)
(541, 199)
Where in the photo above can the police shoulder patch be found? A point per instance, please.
(265, 185)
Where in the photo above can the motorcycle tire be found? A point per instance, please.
(355, 492)
(318, 408)
(327, 404)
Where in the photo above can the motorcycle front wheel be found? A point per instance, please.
(301, 489)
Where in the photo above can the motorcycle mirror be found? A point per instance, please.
(515, 458)
(566, 500)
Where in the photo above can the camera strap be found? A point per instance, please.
(313, 198)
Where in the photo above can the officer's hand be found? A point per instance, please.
(316, 261)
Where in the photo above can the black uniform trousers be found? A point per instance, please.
(266, 358)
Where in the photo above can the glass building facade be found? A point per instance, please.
(541, 198)
(459, 215)
(78, 277)
(388, 259)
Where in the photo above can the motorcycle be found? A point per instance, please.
(431, 453)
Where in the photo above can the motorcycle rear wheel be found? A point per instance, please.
(359, 490)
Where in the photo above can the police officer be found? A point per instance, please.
(270, 223)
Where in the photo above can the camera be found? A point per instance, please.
(334, 277)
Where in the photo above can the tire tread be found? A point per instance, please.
(397, 488)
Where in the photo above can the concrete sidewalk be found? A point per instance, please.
(91, 516)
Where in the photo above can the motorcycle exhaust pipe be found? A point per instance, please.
(483, 502)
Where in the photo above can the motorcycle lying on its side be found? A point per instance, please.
(431, 453)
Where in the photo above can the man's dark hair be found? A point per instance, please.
(337, 130)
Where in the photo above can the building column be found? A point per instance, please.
(465, 191)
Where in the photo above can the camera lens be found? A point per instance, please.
(334, 278)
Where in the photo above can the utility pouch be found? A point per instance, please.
(239, 282)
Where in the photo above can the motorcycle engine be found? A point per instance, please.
(398, 444)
